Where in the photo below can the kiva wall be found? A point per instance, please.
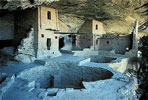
(7, 27)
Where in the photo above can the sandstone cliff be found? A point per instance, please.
(118, 16)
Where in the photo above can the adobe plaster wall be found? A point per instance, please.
(105, 44)
(43, 24)
(7, 27)
(100, 29)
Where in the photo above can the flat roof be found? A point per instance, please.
(69, 33)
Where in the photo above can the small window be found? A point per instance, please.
(42, 35)
(97, 41)
(107, 42)
(69, 36)
(32, 1)
(56, 37)
(49, 15)
(97, 27)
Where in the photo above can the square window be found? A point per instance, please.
(107, 42)
(56, 37)
(42, 35)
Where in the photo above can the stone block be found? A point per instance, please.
(57, 81)
(43, 94)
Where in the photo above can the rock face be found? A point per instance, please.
(118, 16)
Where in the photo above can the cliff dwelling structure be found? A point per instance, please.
(41, 58)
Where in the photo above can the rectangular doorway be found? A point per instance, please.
(48, 43)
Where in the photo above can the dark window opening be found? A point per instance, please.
(69, 36)
(48, 43)
(61, 43)
(74, 40)
(96, 27)
(32, 1)
(107, 42)
(56, 37)
(49, 15)
(97, 41)
(5, 43)
(42, 35)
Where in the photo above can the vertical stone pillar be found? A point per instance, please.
(135, 36)
(94, 41)
(78, 41)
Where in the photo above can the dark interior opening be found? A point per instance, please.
(49, 15)
(5, 43)
(96, 27)
(61, 43)
(42, 35)
(107, 42)
(32, 1)
(74, 40)
(48, 43)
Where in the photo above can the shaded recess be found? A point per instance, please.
(102, 59)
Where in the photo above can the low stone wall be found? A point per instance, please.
(5, 85)
(89, 52)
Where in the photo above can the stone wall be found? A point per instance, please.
(24, 20)
(105, 44)
(84, 41)
(121, 43)
(46, 32)
(26, 52)
(100, 29)
(90, 27)
(7, 26)
(117, 43)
